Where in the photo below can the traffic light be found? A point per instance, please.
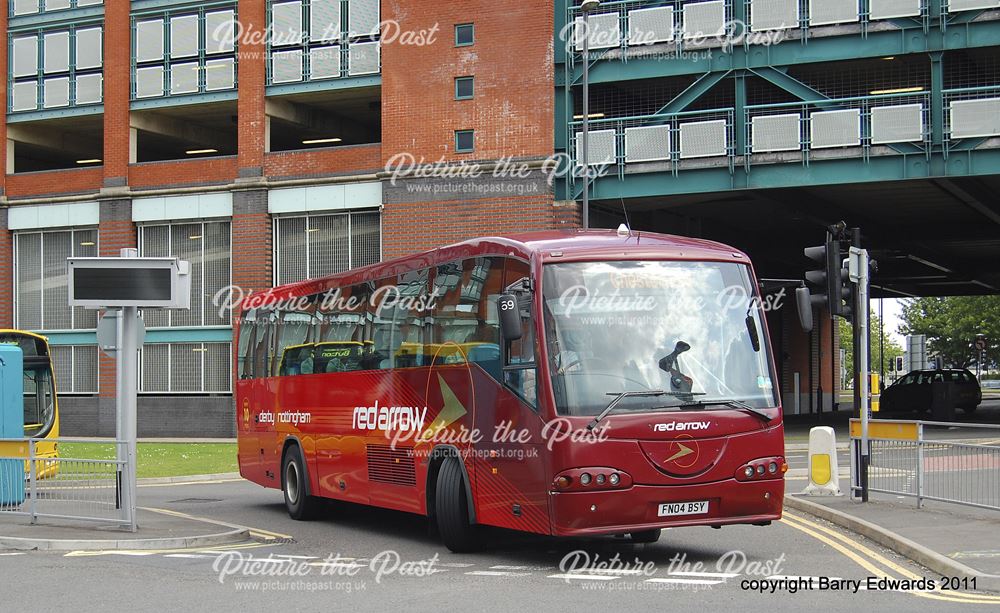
(827, 279)
(847, 289)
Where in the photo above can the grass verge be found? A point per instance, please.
(164, 459)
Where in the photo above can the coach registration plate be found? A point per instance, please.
(683, 508)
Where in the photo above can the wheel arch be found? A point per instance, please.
(293, 441)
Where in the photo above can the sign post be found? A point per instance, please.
(859, 270)
(980, 344)
(124, 285)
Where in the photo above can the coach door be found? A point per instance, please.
(511, 480)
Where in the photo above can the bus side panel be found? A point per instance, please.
(359, 431)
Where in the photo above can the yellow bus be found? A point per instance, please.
(41, 404)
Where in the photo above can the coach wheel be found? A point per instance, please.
(300, 504)
(646, 536)
(452, 510)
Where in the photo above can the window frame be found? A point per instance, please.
(471, 80)
(308, 44)
(42, 75)
(203, 57)
(203, 351)
(471, 28)
(458, 135)
(276, 238)
(15, 268)
(170, 225)
(68, 388)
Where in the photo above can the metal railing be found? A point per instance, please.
(905, 462)
(42, 486)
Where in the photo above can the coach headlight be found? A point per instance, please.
(585, 479)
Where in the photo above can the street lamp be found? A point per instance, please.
(586, 7)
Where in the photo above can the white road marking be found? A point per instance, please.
(495, 573)
(689, 573)
(533, 568)
(455, 564)
(685, 581)
(193, 556)
(609, 571)
(17, 553)
(583, 577)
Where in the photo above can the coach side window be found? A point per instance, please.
(465, 329)
(247, 342)
(398, 320)
(294, 341)
(262, 347)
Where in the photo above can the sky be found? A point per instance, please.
(892, 311)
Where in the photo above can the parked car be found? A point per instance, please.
(912, 392)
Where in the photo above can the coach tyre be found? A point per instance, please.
(301, 506)
(646, 536)
(451, 504)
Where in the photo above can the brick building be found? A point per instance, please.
(185, 129)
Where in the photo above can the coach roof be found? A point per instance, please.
(548, 245)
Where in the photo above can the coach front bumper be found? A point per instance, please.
(637, 508)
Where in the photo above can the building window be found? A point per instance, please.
(30, 7)
(465, 34)
(322, 39)
(186, 368)
(319, 245)
(169, 59)
(75, 368)
(41, 292)
(465, 141)
(465, 88)
(206, 246)
(55, 68)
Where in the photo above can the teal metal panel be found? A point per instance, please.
(55, 18)
(788, 83)
(166, 101)
(189, 335)
(71, 338)
(325, 85)
(693, 92)
(159, 335)
(826, 49)
(826, 172)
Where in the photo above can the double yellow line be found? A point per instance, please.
(876, 564)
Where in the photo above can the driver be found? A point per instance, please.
(567, 349)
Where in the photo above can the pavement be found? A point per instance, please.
(158, 529)
(951, 540)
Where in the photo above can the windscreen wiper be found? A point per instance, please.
(618, 397)
(734, 404)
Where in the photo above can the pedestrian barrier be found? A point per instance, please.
(60, 488)
(911, 458)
